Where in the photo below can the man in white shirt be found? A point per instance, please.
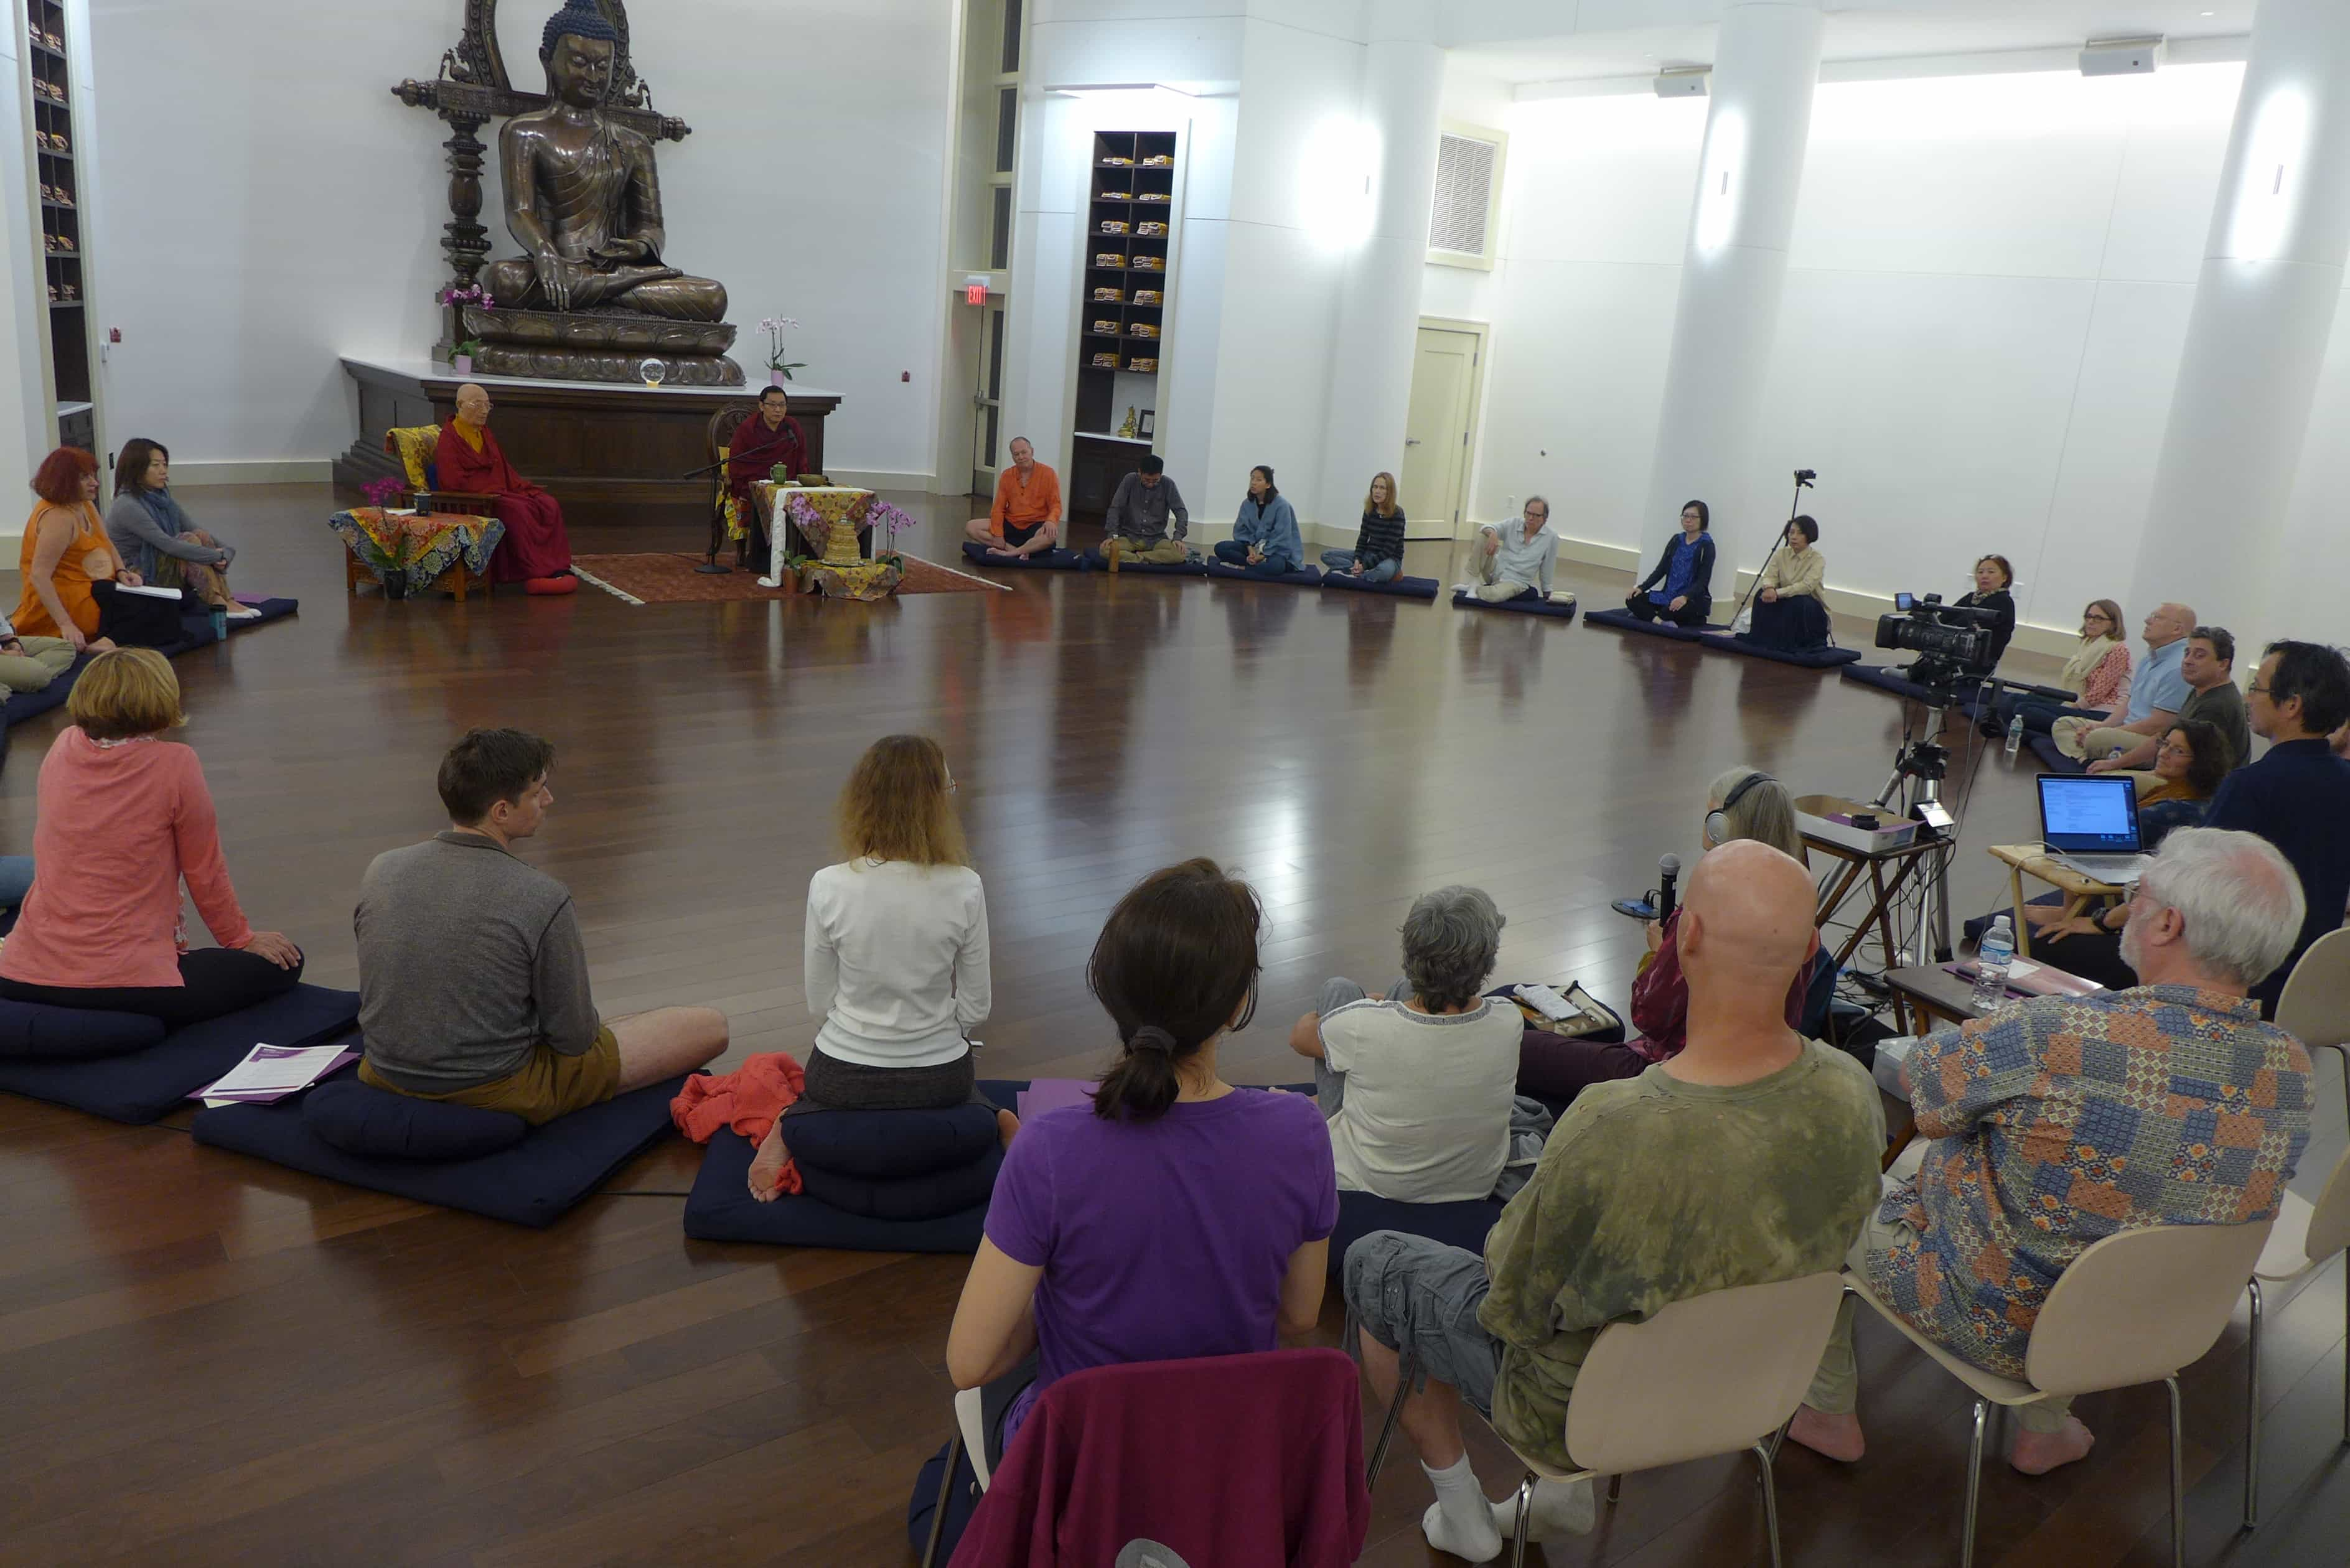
(1507, 563)
(1418, 1087)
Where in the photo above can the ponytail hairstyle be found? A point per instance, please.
(1176, 960)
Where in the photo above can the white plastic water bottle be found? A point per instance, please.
(2015, 736)
(1992, 961)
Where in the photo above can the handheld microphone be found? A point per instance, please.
(1668, 868)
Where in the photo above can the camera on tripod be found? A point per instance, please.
(1951, 640)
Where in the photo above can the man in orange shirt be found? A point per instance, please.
(1026, 516)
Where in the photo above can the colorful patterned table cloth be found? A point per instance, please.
(419, 545)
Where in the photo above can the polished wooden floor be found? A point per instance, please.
(207, 1360)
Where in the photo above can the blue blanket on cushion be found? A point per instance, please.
(1808, 658)
(1304, 577)
(534, 1183)
(1401, 587)
(1561, 607)
(1625, 621)
(147, 1084)
(1042, 561)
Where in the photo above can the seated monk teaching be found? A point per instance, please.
(472, 977)
(536, 551)
(761, 446)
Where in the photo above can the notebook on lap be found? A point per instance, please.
(2089, 822)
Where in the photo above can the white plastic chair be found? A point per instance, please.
(2315, 1006)
(1707, 1376)
(968, 1438)
(2134, 1308)
(2307, 1236)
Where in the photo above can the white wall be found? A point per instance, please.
(1988, 292)
(270, 209)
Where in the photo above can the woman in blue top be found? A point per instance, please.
(1265, 541)
(1685, 572)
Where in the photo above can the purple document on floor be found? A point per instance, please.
(1051, 1094)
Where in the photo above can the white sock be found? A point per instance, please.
(1561, 1508)
(1461, 1521)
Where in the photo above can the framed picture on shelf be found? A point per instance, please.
(1146, 424)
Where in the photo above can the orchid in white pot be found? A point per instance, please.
(779, 369)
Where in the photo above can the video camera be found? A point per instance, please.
(1952, 640)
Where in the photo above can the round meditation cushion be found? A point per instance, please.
(380, 1125)
(32, 1031)
(883, 1145)
(933, 1195)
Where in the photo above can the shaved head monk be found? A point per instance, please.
(1749, 1157)
(536, 552)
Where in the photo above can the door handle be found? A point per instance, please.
(1412, 441)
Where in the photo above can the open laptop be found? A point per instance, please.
(2089, 822)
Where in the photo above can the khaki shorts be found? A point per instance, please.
(544, 1087)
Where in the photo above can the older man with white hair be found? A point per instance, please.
(2059, 1121)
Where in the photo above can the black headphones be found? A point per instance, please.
(1716, 822)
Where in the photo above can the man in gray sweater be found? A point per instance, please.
(1135, 526)
(473, 980)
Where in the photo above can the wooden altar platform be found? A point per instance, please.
(611, 453)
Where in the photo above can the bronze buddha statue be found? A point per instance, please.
(582, 197)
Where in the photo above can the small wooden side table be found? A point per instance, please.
(2034, 860)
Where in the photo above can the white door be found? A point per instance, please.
(1437, 432)
(987, 457)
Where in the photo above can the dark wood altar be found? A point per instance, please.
(611, 453)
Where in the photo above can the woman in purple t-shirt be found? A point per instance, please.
(1177, 1216)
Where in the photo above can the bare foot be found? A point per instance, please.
(2037, 1453)
(767, 1166)
(1006, 1123)
(1837, 1437)
(100, 645)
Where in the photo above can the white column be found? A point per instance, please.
(1758, 118)
(1378, 307)
(2217, 532)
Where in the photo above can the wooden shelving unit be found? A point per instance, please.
(57, 149)
(1129, 282)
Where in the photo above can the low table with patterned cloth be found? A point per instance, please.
(424, 550)
(829, 518)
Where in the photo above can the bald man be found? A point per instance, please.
(536, 551)
(2158, 692)
(1751, 1157)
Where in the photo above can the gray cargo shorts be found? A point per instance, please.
(1419, 1298)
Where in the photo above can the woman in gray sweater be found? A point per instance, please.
(158, 539)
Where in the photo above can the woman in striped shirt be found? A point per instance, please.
(1377, 555)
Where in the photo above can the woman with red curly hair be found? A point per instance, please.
(71, 568)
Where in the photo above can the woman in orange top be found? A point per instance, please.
(71, 567)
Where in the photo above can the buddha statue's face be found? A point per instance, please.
(579, 71)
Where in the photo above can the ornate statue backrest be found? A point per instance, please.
(723, 426)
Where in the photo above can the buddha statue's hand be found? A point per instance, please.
(561, 279)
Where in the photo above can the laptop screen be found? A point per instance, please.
(2089, 814)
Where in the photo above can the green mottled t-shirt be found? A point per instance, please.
(1652, 1191)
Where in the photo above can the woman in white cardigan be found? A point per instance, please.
(1789, 613)
(896, 951)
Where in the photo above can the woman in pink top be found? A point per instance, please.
(124, 815)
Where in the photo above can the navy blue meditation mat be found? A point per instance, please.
(2044, 748)
(534, 1183)
(1192, 568)
(1524, 604)
(1808, 658)
(196, 629)
(1625, 621)
(35, 1032)
(1042, 561)
(147, 1084)
(1462, 1225)
(1304, 577)
(1401, 587)
(23, 705)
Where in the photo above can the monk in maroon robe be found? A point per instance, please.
(536, 551)
(759, 445)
